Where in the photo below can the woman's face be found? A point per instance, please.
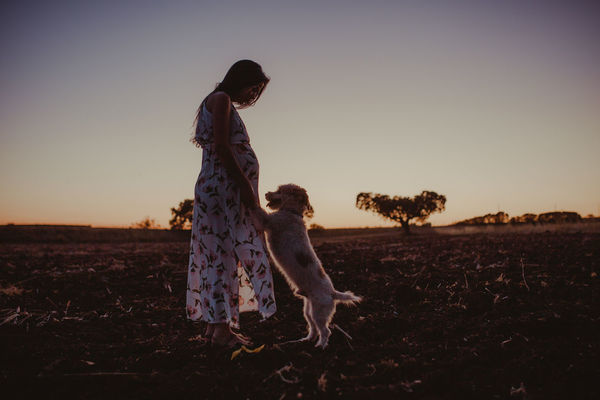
(248, 94)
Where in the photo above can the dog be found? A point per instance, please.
(289, 245)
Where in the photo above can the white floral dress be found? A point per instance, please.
(228, 271)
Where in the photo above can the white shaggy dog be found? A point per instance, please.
(288, 242)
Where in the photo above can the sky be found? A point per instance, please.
(493, 104)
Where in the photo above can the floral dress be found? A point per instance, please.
(228, 270)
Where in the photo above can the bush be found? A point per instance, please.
(316, 228)
(146, 223)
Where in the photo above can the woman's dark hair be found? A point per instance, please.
(241, 75)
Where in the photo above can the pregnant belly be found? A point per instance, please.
(247, 160)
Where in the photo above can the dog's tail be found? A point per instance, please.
(346, 297)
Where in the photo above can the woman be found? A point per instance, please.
(228, 267)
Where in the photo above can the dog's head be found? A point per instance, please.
(292, 197)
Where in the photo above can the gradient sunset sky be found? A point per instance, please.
(495, 104)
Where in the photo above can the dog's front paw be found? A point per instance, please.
(258, 218)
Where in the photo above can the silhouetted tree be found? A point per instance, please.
(316, 228)
(500, 218)
(182, 215)
(528, 218)
(146, 223)
(559, 217)
(402, 209)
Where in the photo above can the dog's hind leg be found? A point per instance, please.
(312, 330)
(312, 327)
(321, 314)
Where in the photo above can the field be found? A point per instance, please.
(498, 314)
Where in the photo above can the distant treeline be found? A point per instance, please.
(502, 218)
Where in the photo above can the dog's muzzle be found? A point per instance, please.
(273, 200)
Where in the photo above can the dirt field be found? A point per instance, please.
(463, 316)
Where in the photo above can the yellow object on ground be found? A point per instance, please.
(247, 350)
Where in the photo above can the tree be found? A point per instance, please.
(316, 228)
(182, 215)
(402, 209)
(559, 217)
(146, 223)
(500, 218)
(528, 218)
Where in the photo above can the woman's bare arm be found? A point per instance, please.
(220, 107)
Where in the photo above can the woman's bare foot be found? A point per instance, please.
(224, 336)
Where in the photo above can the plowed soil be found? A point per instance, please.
(477, 316)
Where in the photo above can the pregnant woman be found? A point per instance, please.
(228, 269)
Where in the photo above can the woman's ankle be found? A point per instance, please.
(221, 330)
(210, 330)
